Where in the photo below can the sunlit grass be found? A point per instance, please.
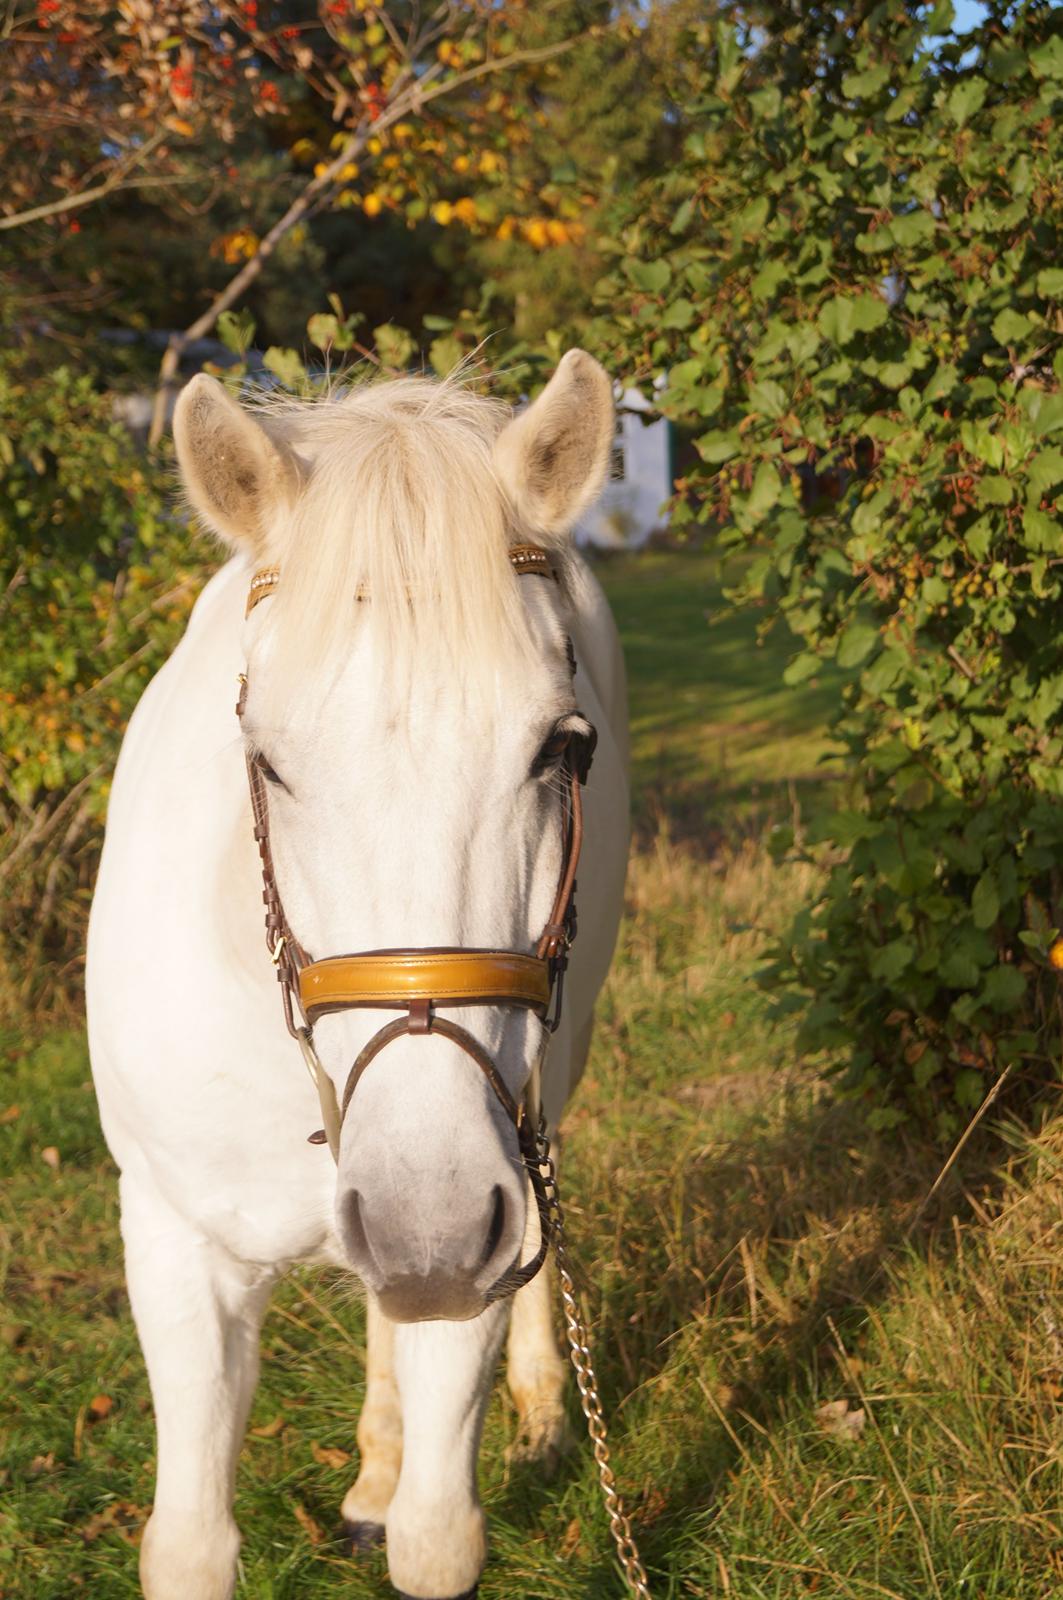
(749, 1254)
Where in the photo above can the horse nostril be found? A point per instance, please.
(495, 1227)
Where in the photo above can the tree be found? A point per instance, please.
(852, 281)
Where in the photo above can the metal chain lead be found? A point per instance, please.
(587, 1382)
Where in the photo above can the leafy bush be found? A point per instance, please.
(95, 584)
(854, 283)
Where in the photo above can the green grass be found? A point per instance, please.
(749, 1252)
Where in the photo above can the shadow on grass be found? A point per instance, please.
(785, 1232)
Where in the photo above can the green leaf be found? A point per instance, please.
(765, 491)
(287, 365)
(1003, 989)
(1050, 283)
(651, 276)
(680, 314)
(1047, 62)
(995, 490)
(861, 85)
(891, 960)
(1011, 327)
(1049, 415)
(769, 398)
(869, 311)
(836, 321)
(801, 668)
(985, 901)
(883, 672)
(395, 347)
(965, 99)
(445, 353)
(1044, 471)
(912, 227)
(1041, 532)
(768, 279)
(717, 447)
(857, 642)
(322, 329)
(681, 221)
(236, 330)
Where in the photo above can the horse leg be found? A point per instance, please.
(536, 1374)
(366, 1503)
(197, 1311)
(436, 1534)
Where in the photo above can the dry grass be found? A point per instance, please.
(751, 1256)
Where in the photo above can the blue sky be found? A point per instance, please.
(969, 14)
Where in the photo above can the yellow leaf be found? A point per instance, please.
(313, 1530)
(270, 1430)
(442, 212)
(372, 205)
(329, 1455)
(837, 1420)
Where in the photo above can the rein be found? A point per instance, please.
(420, 981)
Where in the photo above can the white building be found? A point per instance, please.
(629, 508)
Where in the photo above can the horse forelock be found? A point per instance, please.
(399, 505)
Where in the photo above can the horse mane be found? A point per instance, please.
(400, 506)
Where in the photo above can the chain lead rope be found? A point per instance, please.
(579, 1344)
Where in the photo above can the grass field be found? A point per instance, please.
(819, 1384)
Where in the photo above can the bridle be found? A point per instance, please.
(420, 982)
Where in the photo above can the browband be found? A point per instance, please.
(523, 558)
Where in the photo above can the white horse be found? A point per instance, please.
(409, 695)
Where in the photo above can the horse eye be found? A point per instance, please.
(268, 773)
(551, 751)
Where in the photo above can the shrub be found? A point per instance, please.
(854, 283)
(95, 584)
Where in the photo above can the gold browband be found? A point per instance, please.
(393, 979)
(523, 558)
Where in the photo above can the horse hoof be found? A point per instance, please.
(362, 1536)
(470, 1594)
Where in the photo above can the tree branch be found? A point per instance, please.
(417, 94)
(74, 202)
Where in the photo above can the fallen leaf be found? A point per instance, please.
(837, 1420)
(570, 1540)
(652, 1506)
(313, 1530)
(100, 1406)
(10, 1115)
(50, 1157)
(329, 1455)
(121, 1517)
(41, 1464)
(270, 1430)
(728, 1019)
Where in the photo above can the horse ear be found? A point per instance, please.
(235, 476)
(553, 458)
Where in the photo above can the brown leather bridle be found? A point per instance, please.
(419, 982)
